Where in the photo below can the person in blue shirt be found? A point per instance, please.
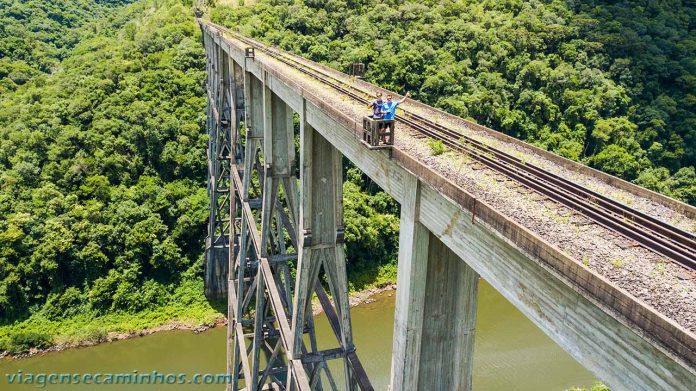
(389, 109)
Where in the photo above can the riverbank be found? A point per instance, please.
(509, 347)
(99, 338)
(359, 297)
(188, 310)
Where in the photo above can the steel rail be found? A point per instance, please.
(569, 199)
(652, 233)
(669, 231)
(680, 244)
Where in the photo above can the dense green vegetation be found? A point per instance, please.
(595, 387)
(607, 83)
(186, 306)
(371, 220)
(36, 35)
(103, 200)
(102, 175)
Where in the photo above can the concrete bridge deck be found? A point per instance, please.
(460, 221)
(667, 287)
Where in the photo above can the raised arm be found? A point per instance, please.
(404, 98)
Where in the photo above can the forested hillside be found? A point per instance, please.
(36, 35)
(611, 84)
(103, 200)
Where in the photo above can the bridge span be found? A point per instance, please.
(273, 210)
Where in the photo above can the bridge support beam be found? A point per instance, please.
(220, 118)
(233, 279)
(435, 314)
(321, 244)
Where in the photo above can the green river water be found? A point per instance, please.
(510, 352)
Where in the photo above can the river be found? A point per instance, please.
(510, 352)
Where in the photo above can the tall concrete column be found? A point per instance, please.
(414, 240)
(449, 321)
(435, 313)
(321, 240)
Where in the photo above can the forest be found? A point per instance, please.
(103, 200)
(35, 36)
(610, 84)
(102, 180)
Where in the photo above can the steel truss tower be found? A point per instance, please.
(276, 213)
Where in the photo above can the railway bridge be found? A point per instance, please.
(539, 228)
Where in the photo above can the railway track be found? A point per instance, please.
(649, 232)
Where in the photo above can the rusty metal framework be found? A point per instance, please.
(218, 126)
(256, 206)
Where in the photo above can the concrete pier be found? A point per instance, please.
(321, 246)
(435, 315)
